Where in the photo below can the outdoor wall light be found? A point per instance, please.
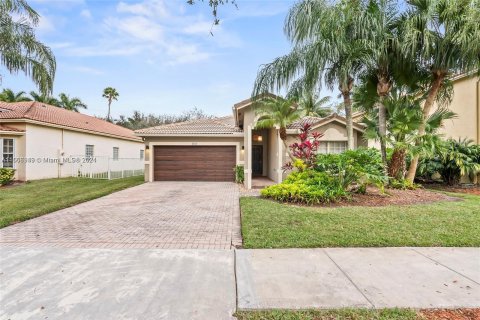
(243, 148)
(257, 138)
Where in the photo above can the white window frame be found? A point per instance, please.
(331, 147)
(13, 152)
(117, 155)
(142, 154)
(86, 151)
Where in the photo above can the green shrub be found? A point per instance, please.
(456, 158)
(239, 174)
(355, 169)
(6, 175)
(307, 187)
(402, 184)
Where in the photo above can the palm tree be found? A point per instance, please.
(71, 104)
(404, 117)
(377, 31)
(20, 51)
(444, 36)
(110, 94)
(47, 99)
(8, 95)
(325, 51)
(310, 105)
(277, 113)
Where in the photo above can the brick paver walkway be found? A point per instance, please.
(172, 215)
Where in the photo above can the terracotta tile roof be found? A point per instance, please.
(303, 121)
(316, 121)
(7, 128)
(48, 114)
(208, 126)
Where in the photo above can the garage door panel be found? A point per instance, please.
(194, 163)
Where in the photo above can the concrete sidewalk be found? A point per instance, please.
(66, 283)
(62, 283)
(358, 277)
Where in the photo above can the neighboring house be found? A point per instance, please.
(466, 104)
(209, 149)
(42, 141)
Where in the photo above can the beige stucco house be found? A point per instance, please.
(42, 141)
(466, 104)
(209, 149)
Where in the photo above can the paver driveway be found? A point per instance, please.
(173, 215)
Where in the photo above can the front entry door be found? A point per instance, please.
(257, 160)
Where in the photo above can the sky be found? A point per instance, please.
(158, 54)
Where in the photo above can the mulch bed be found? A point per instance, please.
(13, 184)
(374, 198)
(451, 314)
(469, 189)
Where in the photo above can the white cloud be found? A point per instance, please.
(45, 25)
(138, 27)
(154, 8)
(159, 30)
(86, 14)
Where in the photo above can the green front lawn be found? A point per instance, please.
(340, 314)
(36, 198)
(268, 224)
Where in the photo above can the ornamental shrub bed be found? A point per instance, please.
(6, 176)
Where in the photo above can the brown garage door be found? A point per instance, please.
(194, 163)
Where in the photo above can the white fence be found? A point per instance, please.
(106, 167)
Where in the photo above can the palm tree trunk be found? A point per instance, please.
(383, 88)
(427, 107)
(396, 168)
(382, 130)
(283, 136)
(108, 115)
(348, 116)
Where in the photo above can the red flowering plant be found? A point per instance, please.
(304, 151)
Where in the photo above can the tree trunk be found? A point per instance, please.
(348, 116)
(108, 115)
(397, 166)
(283, 136)
(383, 88)
(438, 78)
(345, 88)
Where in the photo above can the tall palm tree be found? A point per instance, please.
(110, 94)
(72, 104)
(310, 105)
(444, 36)
(325, 51)
(47, 99)
(277, 113)
(377, 30)
(20, 51)
(8, 95)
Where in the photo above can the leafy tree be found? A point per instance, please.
(277, 113)
(110, 94)
(8, 95)
(139, 120)
(311, 105)
(444, 37)
(20, 50)
(47, 99)
(325, 50)
(72, 104)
